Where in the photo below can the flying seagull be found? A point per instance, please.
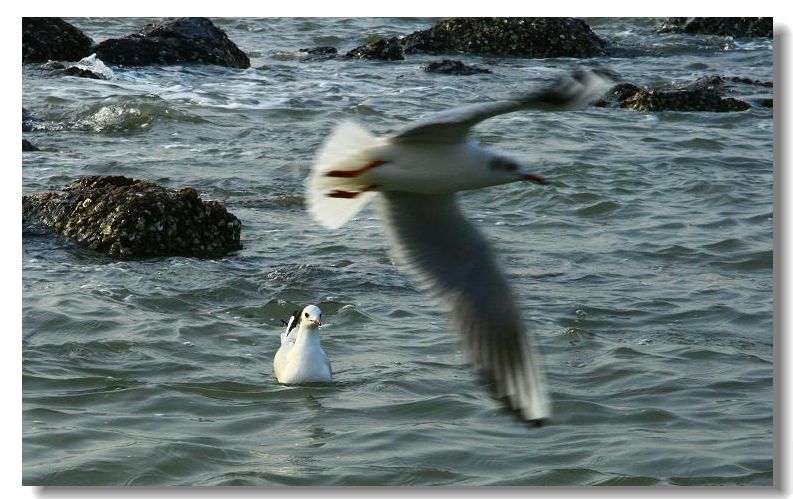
(301, 358)
(416, 174)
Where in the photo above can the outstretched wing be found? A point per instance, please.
(451, 126)
(449, 257)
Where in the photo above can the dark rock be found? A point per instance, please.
(82, 73)
(318, 54)
(27, 146)
(126, 218)
(53, 65)
(618, 94)
(767, 102)
(45, 38)
(704, 94)
(749, 81)
(320, 51)
(536, 37)
(176, 41)
(448, 66)
(389, 49)
(737, 27)
(61, 68)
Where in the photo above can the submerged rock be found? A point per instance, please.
(737, 27)
(45, 38)
(386, 49)
(87, 67)
(176, 41)
(318, 53)
(27, 146)
(704, 94)
(125, 218)
(448, 66)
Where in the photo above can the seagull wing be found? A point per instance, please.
(449, 257)
(451, 126)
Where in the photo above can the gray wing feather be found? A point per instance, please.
(448, 257)
(452, 126)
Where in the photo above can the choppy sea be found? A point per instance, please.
(645, 273)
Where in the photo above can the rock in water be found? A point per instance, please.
(386, 49)
(176, 41)
(127, 218)
(450, 67)
(537, 37)
(45, 38)
(704, 94)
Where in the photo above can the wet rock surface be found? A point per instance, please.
(45, 38)
(128, 218)
(738, 27)
(314, 54)
(535, 37)
(320, 50)
(451, 67)
(386, 49)
(175, 41)
(703, 94)
(72, 70)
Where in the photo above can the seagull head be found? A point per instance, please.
(312, 316)
(505, 170)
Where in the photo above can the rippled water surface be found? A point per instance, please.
(645, 272)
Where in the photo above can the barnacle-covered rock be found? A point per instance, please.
(386, 49)
(315, 54)
(737, 27)
(176, 41)
(704, 94)
(448, 66)
(323, 50)
(127, 218)
(536, 37)
(45, 38)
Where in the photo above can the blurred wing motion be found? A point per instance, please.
(450, 259)
(452, 126)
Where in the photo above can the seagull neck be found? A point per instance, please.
(307, 335)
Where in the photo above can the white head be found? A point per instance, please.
(311, 316)
(503, 170)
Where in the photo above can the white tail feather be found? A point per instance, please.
(347, 148)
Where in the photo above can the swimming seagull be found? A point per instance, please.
(300, 359)
(416, 173)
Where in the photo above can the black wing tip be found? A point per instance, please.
(566, 90)
(538, 423)
(520, 415)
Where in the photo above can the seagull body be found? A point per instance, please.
(416, 174)
(300, 359)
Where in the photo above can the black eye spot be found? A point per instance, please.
(306, 315)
